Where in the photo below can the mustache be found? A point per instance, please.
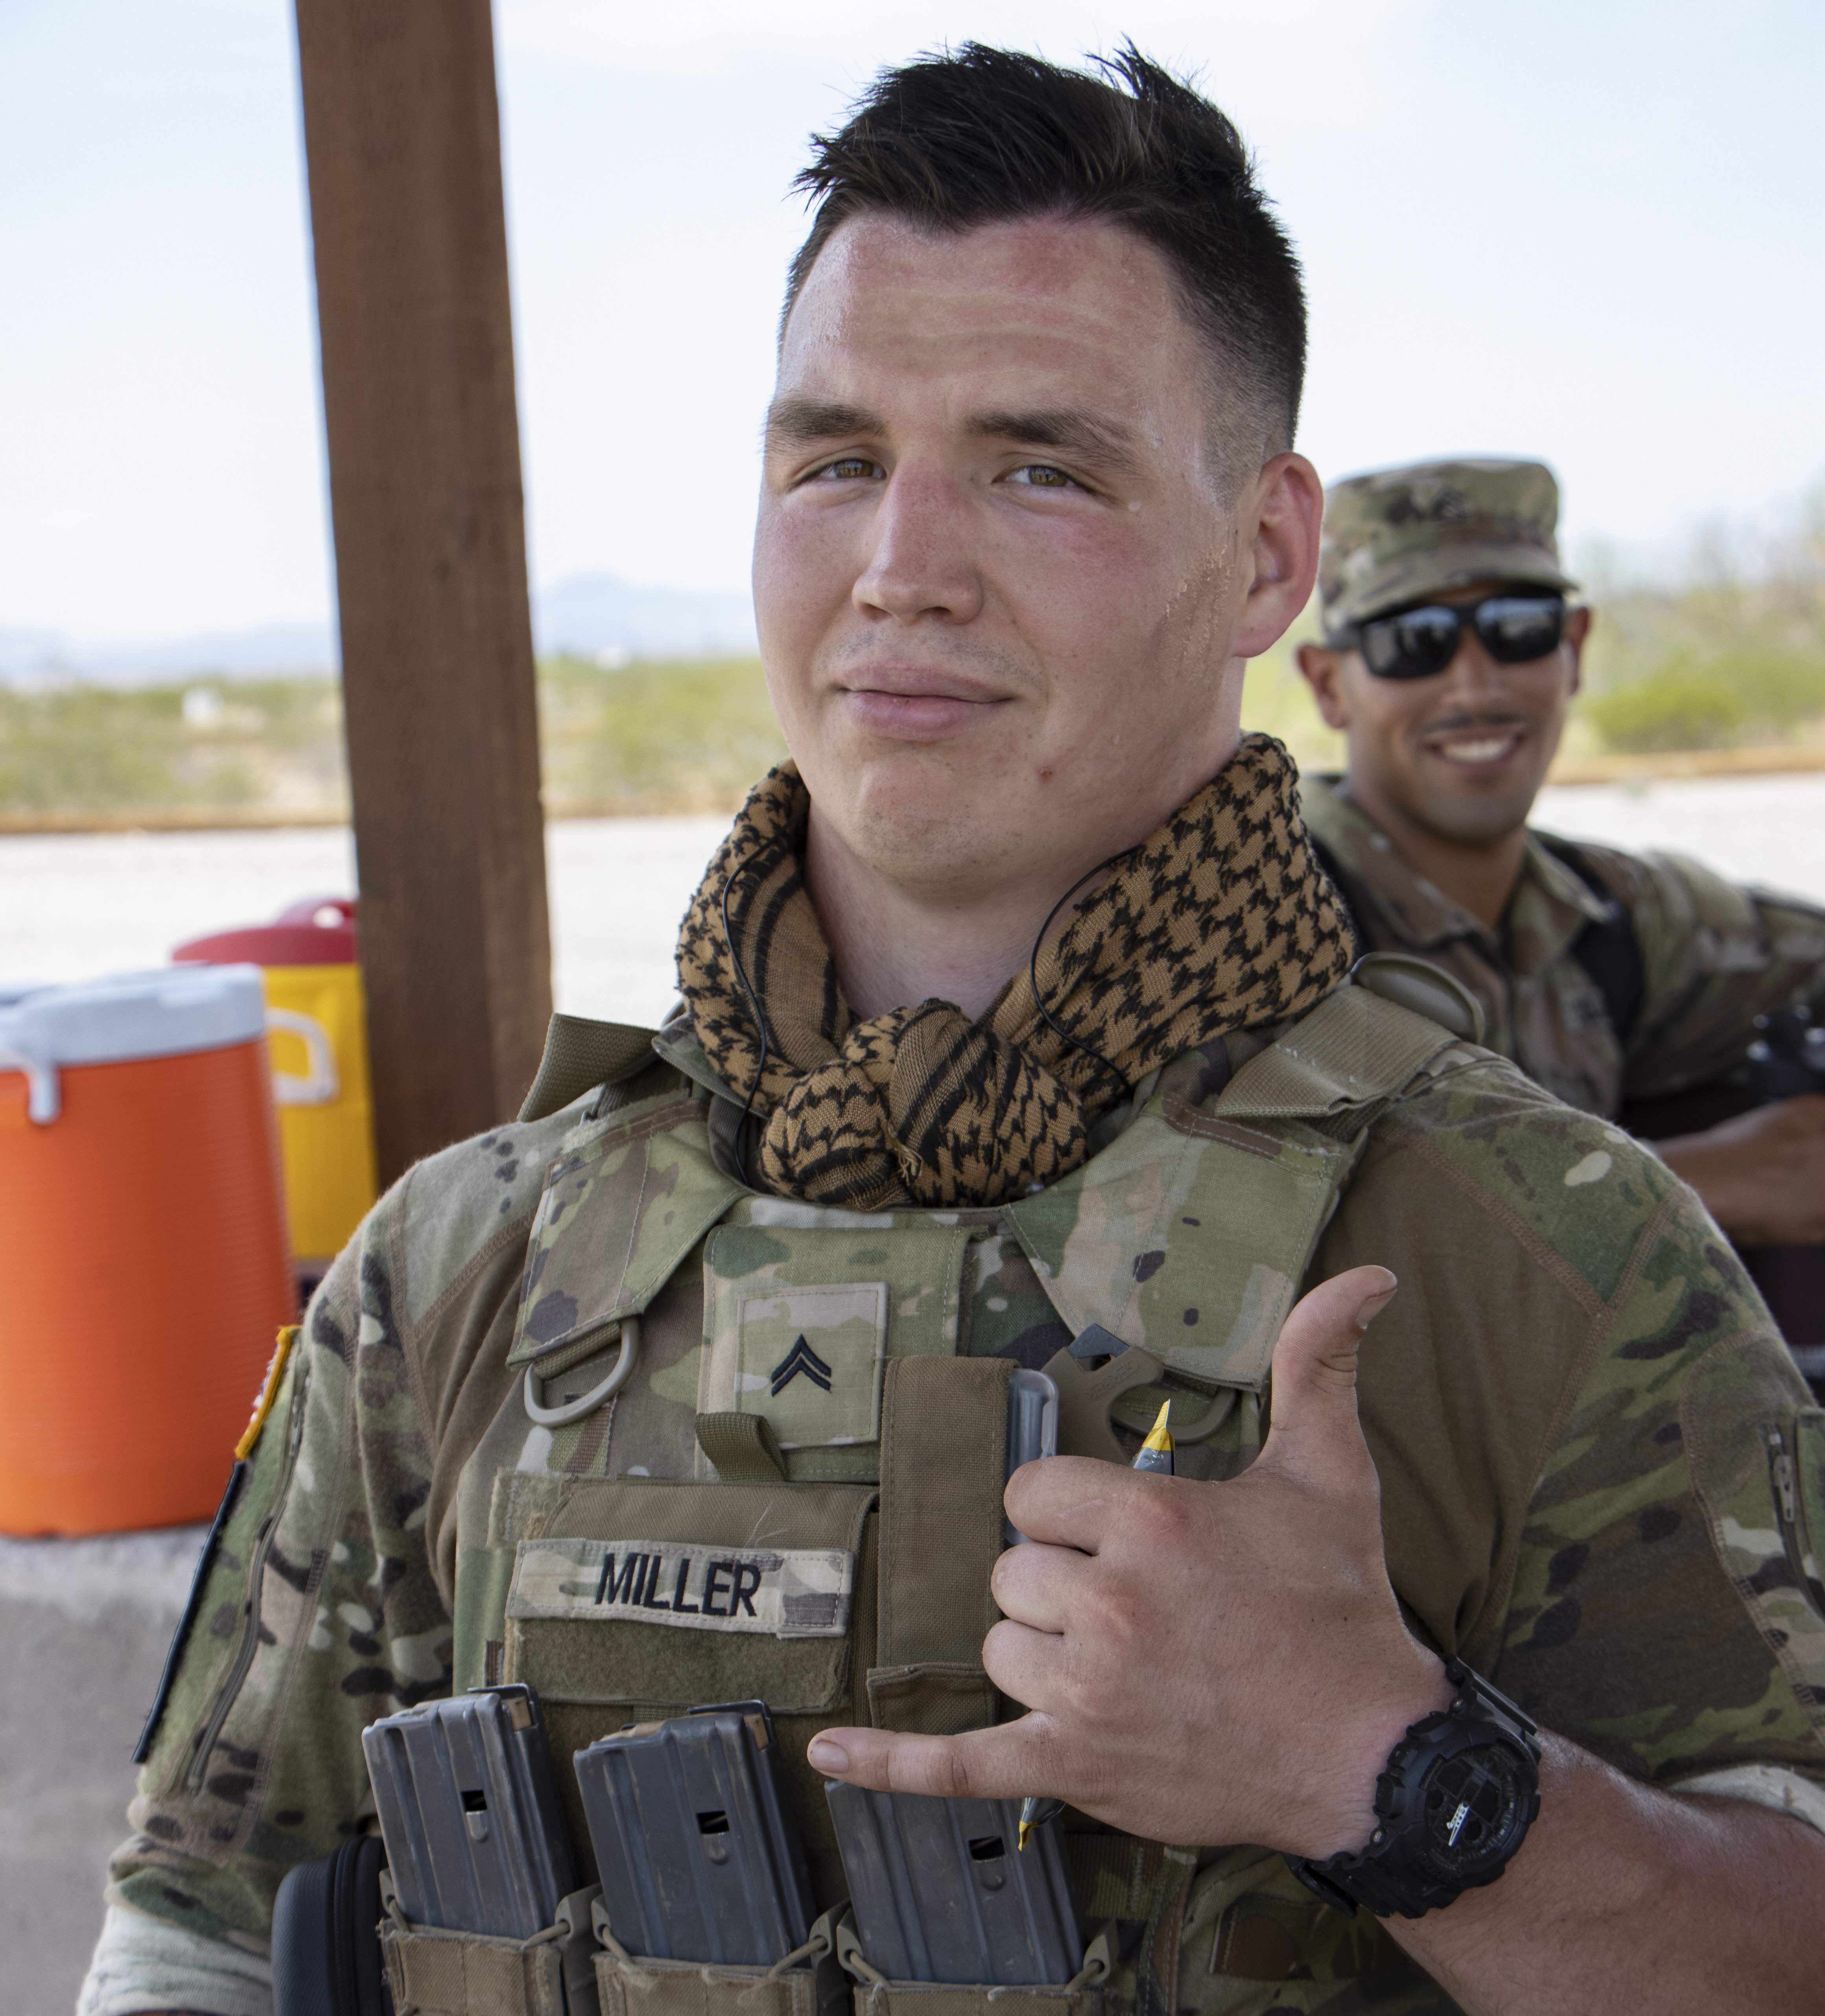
(1486, 717)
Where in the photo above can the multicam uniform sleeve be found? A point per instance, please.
(1714, 955)
(1666, 1612)
(322, 1611)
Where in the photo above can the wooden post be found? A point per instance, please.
(402, 137)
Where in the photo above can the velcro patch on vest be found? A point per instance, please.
(811, 1358)
(776, 1591)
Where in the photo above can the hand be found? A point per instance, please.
(1761, 1175)
(1203, 1663)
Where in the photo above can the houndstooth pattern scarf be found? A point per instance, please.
(1221, 920)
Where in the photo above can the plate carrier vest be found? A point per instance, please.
(815, 1505)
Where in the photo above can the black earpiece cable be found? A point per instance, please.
(1058, 1029)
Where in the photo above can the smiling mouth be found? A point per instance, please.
(1471, 750)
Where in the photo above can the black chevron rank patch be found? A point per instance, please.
(800, 1358)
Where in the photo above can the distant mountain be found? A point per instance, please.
(36, 658)
(594, 615)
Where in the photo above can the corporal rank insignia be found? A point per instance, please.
(800, 1358)
(809, 1358)
(777, 1592)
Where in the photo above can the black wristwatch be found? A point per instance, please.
(1454, 1802)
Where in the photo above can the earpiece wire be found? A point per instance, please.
(1045, 1016)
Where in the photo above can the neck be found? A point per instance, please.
(1479, 875)
(896, 944)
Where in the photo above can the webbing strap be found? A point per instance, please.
(743, 1447)
(944, 1455)
(1114, 1875)
(580, 1055)
(1350, 1056)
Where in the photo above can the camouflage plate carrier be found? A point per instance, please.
(796, 1495)
(818, 1507)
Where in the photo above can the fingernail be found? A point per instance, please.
(1372, 1305)
(827, 1755)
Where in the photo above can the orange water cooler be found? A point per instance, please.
(143, 1268)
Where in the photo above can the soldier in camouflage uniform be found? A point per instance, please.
(1002, 443)
(1615, 980)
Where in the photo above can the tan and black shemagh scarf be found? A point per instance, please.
(1221, 920)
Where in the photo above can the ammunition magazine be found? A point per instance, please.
(470, 1814)
(939, 1892)
(699, 1857)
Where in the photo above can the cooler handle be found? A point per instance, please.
(43, 1100)
(320, 1083)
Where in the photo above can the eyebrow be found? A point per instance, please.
(1104, 442)
(796, 422)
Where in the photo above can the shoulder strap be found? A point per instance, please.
(1411, 982)
(579, 1055)
(1609, 951)
(1342, 1062)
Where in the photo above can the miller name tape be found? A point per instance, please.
(779, 1591)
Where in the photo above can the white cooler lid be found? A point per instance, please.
(170, 1011)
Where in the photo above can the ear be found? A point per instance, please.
(1287, 510)
(1322, 669)
(1578, 622)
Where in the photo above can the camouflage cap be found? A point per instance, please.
(1396, 535)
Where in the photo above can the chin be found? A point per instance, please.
(1477, 822)
(917, 819)
(918, 841)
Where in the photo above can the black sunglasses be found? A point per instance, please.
(1415, 643)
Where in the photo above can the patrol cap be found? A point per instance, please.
(1395, 535)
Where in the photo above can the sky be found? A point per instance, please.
(1588, 233)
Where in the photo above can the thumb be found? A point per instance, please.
(1313, 1426)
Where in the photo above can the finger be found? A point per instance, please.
(1070, 1501)
(1030, 1667)
(1037, 1585)
(1315, 1432)
(998, 1763)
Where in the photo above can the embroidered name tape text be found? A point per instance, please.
(779, 1591)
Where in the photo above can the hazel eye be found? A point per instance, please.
(1042, 475)
(849, 468)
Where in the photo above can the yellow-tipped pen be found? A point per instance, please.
(1156, 1452)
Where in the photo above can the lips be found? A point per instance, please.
(1479, 748)
(1483, 749)
(913, 704)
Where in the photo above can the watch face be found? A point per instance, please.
(1475, 1806)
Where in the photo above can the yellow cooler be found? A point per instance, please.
(317, 1028)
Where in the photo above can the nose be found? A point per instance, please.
(920, 563)
(1473, 675)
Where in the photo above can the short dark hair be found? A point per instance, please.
(983, 135)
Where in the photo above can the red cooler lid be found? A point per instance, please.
(318, 931)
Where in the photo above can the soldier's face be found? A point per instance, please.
(1003, 587)
(1463, 753)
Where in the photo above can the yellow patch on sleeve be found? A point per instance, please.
(268, 1392)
